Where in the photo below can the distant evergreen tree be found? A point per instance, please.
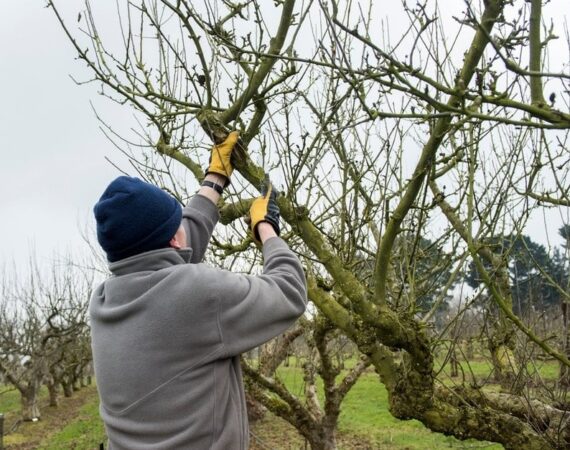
(534, 273)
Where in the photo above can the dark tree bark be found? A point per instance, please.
(54, 391)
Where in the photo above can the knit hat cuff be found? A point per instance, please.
(152, 241)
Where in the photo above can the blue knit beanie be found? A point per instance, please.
(134, 217)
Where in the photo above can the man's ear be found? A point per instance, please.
(178, 241)
(174, 243)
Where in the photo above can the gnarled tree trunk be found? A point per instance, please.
(53, 390)
(30, 403)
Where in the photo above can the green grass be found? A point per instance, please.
(9, 399)
(86, 432)
(365, 413)
(10, 408)
(548, 370)
(481, 369)
(75, 424)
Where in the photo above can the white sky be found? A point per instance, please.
(53, 165)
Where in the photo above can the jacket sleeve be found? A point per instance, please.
(199, 218)
(254, 309)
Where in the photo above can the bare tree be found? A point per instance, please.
(42, 318)
(437, 128)
(315, 421)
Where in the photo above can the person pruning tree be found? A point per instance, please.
(167, 330)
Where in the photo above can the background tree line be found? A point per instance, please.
(44, 334)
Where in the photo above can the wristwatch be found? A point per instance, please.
(216, 187)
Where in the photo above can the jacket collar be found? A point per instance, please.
(151, 261)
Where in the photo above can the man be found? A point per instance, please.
(167, 331)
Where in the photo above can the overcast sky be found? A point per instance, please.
(53, 165)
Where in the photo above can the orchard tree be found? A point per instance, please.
(42, 320)
(316, 422)
(382, 125)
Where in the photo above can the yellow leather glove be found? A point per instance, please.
(220, 156)
(264, 209)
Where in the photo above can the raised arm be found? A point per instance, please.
(201, 214)
(254, 309)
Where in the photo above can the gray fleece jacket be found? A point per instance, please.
(167, 332)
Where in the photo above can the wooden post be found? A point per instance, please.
(1, 431)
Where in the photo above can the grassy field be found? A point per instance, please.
(85, 431)
(364, 423)
(49, 431)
